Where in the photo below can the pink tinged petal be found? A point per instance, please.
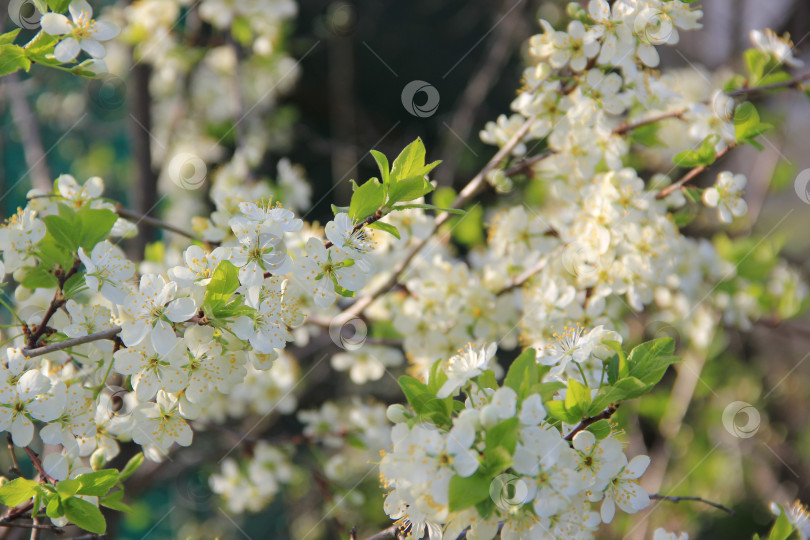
(133, 332)
(163, 338)
(608, 510)
(22, 430)
(103, 32)
(67, 50)
(181, 309)
(55, 24)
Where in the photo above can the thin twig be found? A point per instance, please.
(790, 83)
(33, 525)
(677, 499)
(59, 345)
(15, 465)
(604, 415)
(154, 222)
(465, 195)
(692, 174)
(624, 128)
(38, 465)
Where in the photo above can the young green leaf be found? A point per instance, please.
(131, 466)
(84, 514)
(382, 163)
(385, 227)
(97, 483)
(466, 492)
(366, 200)
(18, 491)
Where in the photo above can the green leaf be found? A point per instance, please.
(18, 491)
(466, 492)
(84, 514)
(524, 369)
(757, 63)
(703, 155)
(66, 232)
(40, 45)
(224, 282)
(114, 501)
(382, 163)
(13, 58)
(98, 483)
(504, 435)
(386, 227)
(131, 466)
(647, 135)
(577, 397)
(409, 162)
(556, 409)
(747, 125)
(424, 403)
(52, 254)
(68, 488)
(409, 189)
(649, 361)
(39, 278)
(366, 200)
(59, 6)
(54, 508)
(95, 224)
(782, 528)
(600, 429)
(624, 389)
(436, 378)
(9, 37)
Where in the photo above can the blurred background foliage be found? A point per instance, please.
(357, 56)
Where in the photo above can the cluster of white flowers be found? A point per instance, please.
(549, 482)
(175, 359)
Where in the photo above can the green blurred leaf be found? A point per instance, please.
(466, 492)
(18, 491)
(84, 515)
(366, 200)
(9, 37)
(386, 227)
(131, 466)
(97, 483)
(13, 58)
(39, 278)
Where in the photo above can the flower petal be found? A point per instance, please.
(67, 50)
(55, 24)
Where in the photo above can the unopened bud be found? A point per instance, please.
(396, 413)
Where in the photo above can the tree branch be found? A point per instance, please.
(692, 174)
(38, 465)
(59, 345)
(790, 83)
(604, 415)
(677, 499)
(470, 190)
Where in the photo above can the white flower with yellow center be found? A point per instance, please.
(82, 31)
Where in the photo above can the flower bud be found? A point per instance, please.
(97, 459)
(396, 413)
